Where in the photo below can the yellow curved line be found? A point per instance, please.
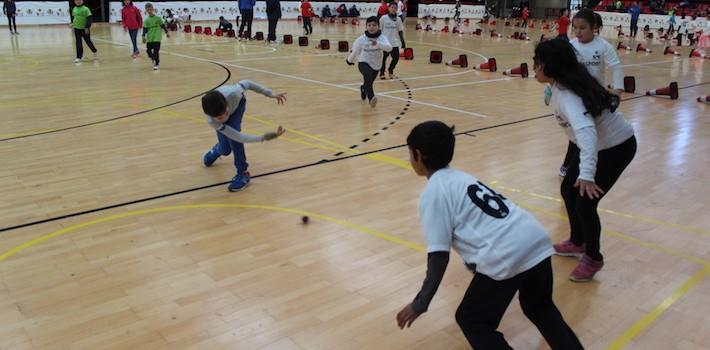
(344, 223)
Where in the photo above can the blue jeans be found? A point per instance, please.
(225, 145)
(133, 33)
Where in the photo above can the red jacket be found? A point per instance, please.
(562, 25)
(526, 13)
(382, 10)
(306, 9)
(131, 17)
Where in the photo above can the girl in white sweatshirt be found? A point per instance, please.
(369, 48)
(602, 144)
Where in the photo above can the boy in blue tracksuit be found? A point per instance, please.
(635, 12)
(224, 109)
(246, 8)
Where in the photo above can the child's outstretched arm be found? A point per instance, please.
(241, 137)
(253, 86)
(436, 266)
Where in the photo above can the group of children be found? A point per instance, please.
(153, 28)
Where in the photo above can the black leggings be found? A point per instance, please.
(307, 25)
(585, 226)
(486, 300)
(82, 34)
(368, 77)
(247, 18)
(154, 51)
(634, 27)
(393, 64)
(12, 23)
(272, 29)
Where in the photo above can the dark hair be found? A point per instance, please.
(148, 6)
(559, 62)
(598, 20)
(435, 141)
(562, 12)
(214, 103)
(372, 19)
(587, 15)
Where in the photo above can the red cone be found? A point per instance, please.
(522, 70)
(461, 61)
(642, 47)
(490, 66)
(670, 91)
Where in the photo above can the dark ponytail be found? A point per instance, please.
(559, 62)
(588, 16)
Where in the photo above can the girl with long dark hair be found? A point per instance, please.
(602, 144)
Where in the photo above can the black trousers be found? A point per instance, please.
(393, 64)
(368, 77)
(486, 300)
(585, 226)
(247, 18)
(634, 27)
(80, 34)
(272, 29)
(307, 26)
(11, 23)
(154, 51)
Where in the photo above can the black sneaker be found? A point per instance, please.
(363, 95)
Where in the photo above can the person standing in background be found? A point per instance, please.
(635, 12)
(273, 13)
(10, 10)
(246, 8)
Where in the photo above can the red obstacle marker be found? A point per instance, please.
(515, 35)
(218, 32)
(198, 29)
(428, 28)
(288, 39)
(343, 46)
(629, 84)
(522, 70)
(259, 36)
(461, 61)
(490, 66)
(231, 34)
(478, 32)
(187, 28)
(324, 44)
(207, 31)
(643, 48)
(302, 41)
(704, 99)
(669, 51)
(670, 91)
(408, 54)
(697, 53)
(445, 29)
(419, 26)
(435, 56)
(622, 46)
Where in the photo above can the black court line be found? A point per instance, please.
(285, 170)
(229, 75)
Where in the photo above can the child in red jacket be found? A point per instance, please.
(307, 14)
(132, 21)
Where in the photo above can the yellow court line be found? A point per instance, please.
(641, 218)
(344, 223)
(625, 237)
(638, 327)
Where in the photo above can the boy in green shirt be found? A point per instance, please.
(152, 35)
(81, 23)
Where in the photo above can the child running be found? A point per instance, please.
(393, 30)
(505, 246)
(369, 48)
(224, 109)
(132, 20)
(81, 25)
(152, 35)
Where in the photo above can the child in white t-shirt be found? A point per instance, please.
(602, 145)
(506, 247)
(393, 29)
(369, 48)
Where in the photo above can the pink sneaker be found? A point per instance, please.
(567, 248)
(584, 272)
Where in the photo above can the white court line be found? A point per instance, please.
(649, 63)
(448, 85)
(283, 57)
(433, 105)
(416, 78)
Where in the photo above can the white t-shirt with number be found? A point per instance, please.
(391, 28)
(482, 226)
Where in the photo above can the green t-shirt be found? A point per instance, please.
(153, 25)
(80, 14)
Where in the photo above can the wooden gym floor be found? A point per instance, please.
(113, 234)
